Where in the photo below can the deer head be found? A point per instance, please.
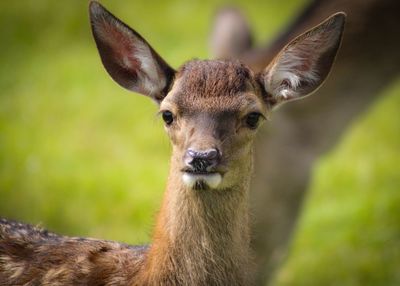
(213, 108)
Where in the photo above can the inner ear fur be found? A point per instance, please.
(303, 64)
(127, 56)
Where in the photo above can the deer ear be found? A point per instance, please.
(302, 65)
(127, 57)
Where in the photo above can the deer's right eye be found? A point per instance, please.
(168, 117)
(252, 119)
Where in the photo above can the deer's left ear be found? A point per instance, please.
(127, 57)
(303, 64)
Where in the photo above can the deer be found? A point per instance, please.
(211, 110)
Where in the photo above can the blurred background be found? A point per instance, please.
(81, 156)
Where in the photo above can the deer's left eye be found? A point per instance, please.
(168, 117)
(252, 119)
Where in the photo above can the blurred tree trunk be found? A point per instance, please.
(368, 61)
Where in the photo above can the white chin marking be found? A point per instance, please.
(212, 180)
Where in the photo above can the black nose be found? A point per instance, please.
(202, 161)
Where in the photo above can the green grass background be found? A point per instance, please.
(84, 157)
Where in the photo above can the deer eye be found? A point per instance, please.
(252, 119)
(168, 117)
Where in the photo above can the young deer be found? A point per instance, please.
(212, 110)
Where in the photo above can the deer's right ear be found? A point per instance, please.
(127, 57)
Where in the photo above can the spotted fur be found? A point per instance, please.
(31, 255)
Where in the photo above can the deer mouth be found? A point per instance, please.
(201, 180)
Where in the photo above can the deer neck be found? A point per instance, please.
(201, 236)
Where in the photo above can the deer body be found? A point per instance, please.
(211, 109)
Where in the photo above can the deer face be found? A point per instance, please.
(211, 115)
(212, 108)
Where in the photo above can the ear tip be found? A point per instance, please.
(95, 8)
(338, 19)
(340, 16)
(334, 23)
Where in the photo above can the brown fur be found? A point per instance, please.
(213, 78)
(201, 235)
(33, 256)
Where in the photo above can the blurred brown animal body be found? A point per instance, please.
(212, 111)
